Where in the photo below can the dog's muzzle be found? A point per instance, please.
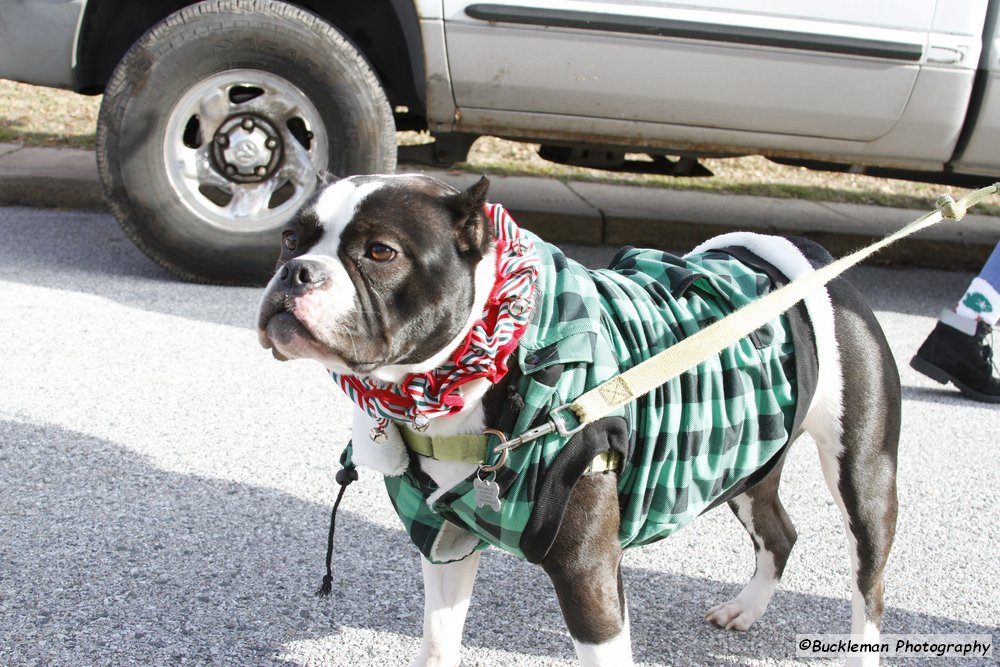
(275, 320)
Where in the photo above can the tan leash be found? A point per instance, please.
(688, 353)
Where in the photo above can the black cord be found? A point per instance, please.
(345, 476)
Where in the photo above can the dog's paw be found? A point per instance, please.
(734, 615)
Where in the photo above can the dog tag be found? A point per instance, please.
(487, 493)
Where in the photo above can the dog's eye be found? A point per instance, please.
(289, 240)
(380, 253)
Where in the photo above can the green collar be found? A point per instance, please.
(473, 448)
(462, 448)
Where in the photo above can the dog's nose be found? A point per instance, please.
(302, 274)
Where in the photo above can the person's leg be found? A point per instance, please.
(957, 350)
(982, 300)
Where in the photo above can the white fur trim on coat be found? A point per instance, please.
(389, 457)
(453, 543)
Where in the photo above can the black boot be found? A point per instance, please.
(949, 355)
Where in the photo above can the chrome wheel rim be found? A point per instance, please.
(242, 149)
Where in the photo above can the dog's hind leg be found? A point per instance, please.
(447, 592)
(584, 564)
(856, 426)
(760, 511)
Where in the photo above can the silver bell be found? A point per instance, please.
(519, 307)
(420, 423)
(378, 435)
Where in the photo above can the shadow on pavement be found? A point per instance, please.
(109, 560)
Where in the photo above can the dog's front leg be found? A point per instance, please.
(447, 592)
(584, 564)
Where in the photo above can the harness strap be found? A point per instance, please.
(607, 461)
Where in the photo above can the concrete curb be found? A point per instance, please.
(592, 213)
(49, 177)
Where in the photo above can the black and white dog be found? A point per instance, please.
(381, 278)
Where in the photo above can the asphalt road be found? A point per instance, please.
(165, 487)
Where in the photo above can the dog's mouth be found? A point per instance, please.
(283, 330)
(288, 337)
(280, 331)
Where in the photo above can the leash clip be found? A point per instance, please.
(558, 422)
(527, 436)
(558, 417)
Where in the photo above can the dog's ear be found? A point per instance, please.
(470, 219)
(472, 199)
(324, 177)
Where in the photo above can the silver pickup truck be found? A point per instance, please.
(217, 115)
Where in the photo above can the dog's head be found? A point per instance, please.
(378, 275)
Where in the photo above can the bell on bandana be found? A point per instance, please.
(378, 434)
(420, 423)
(519, 307)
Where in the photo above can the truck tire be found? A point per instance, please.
(214, 126)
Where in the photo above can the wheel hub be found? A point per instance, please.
(247, 149)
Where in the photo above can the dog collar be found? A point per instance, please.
(484, 352)
(475, 449)
(460, 448)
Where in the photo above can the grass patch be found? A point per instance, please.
(37, 116)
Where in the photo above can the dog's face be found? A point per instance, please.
(377, 273)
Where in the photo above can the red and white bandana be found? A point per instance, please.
(483, 354)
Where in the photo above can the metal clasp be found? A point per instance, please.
(558, 418)
(557, 422)
(527, 436)
(503, 448)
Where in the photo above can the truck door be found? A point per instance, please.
(980, 153)
(836, 70)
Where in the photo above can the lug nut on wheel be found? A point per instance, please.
(248, 123)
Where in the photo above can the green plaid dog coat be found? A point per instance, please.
(686, 446)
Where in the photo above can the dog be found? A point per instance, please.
(451, 327)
